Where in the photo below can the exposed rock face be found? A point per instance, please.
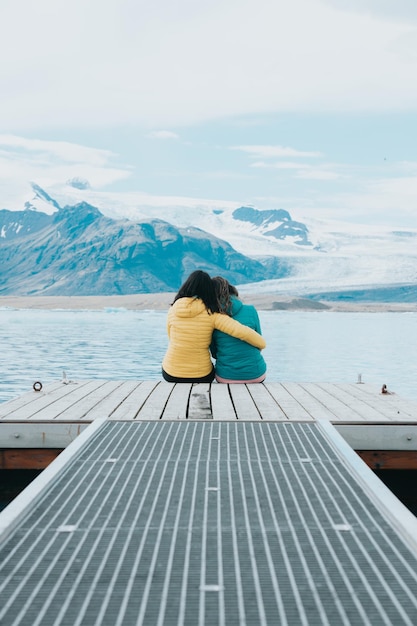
(79, 251)
(274, 223)
(52, 249)
(17, 224)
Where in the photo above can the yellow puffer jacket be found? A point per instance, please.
(190, 328)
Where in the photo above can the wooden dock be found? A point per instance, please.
(381, 427)
(206, 505)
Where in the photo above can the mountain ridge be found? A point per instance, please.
(78, 250)
(300, 258)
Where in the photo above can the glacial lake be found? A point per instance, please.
(39, 345)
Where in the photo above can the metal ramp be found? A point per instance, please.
(204, 524)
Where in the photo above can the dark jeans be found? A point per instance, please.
(174, 379)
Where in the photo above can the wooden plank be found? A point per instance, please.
(82, 401)
(32, 458)
(32, 403)
(155, 403)
(177, 405)
(289, 405)
(391, 406)
(72, 407)
(83, 409)
(245, 407)
(29, 398)
(390, 459)
(50, 434)
(221, 403)
(266, 404)
(377, 436)
(199, 405)
(341, 411)
(113, 398)
(363, 406)
(132, 404)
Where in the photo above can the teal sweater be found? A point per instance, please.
(236, 359)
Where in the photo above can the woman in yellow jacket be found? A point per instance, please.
(192, 318)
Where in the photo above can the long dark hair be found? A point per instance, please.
(199, 285)
(224, 290)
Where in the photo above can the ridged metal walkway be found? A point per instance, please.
(205, 524)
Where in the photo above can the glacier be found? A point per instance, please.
(339, 255)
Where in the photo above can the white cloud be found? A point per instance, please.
(49, 162)
(266, 152)
(279, 165)
(317, 174)
(302, 170)
(62, 150)
(117, 62)
(163, 134)
(385, 201)
(395, 193)
(408, 166)
(401, 10)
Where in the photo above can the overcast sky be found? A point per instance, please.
(307, 105)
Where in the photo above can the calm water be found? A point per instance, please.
(120, 344)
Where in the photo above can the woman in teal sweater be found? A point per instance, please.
(236, 360)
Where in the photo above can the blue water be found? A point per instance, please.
(122, 344)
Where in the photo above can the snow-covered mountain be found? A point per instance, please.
(321, 255)
(79, 251)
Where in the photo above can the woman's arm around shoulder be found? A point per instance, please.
(231, 327)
